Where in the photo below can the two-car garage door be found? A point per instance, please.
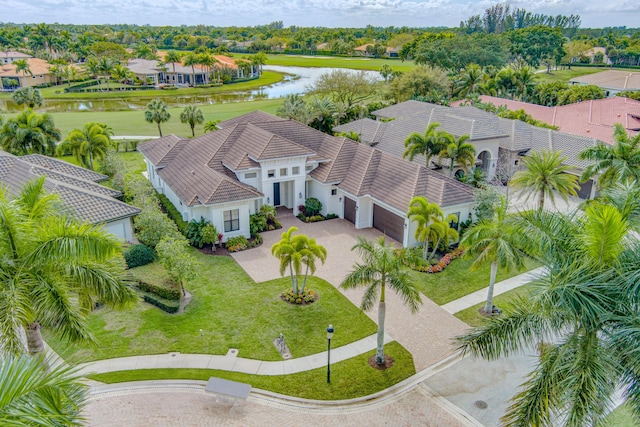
(389, 223)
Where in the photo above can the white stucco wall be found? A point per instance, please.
(121, 229)
(291, 185)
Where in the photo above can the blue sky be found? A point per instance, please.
(326, 13)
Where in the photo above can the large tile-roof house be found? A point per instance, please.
(258, 159)
(78, 188)
(39, 73)
(611, 81)
(592, 119)
(498, 141)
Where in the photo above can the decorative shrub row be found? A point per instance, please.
(172, 294)
(168, 306)
(440, 265)
(306, 297)
(138, 255)
(240, 243)
(173, 213)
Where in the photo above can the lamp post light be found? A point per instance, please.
(329, 336)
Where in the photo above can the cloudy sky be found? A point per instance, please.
(326, 13)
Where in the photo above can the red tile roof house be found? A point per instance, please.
(78, 188)
(499, 142)
(258, 159)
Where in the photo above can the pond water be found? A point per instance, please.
(296, 80)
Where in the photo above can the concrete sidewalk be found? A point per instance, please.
(480, 296)
(230, 362)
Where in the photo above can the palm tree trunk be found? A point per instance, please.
(435, 248)
(541, 201)
(35, 344)
(294, 286)
(425, 250)
(488, 308)
(159, 130)
(91, 160)
(304, 282)
(382, 309)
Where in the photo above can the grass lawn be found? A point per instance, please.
(232, 310)
(457, 281)
(620, 417)
(349, 378)
(567, 74)
(356, 63)
(471, 315)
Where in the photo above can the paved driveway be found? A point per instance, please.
(427, 334)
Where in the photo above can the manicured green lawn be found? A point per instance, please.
(620, 417)
(472, 317)
(567, 74)
(356, 63)
(457, 280)
(349, 378)
(233, 312)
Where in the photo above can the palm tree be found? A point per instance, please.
(545, 175)
(192, 115)
(172, 57)
(44, 397)
(459, 151)
(191, 60)
(295, 251)
(157, 112)
(52, 268)
(619, 162)
(93, 141)
(428, 145)
(469, 81)
(496, 241)
(584, 309)
(28, 96)
(29, 132)
(106, 66)
(381, 266)
(211, 126)
(122, 73)
(321, 110)
(22, 66)
(432, 226)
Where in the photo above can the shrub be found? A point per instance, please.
(173, 213)
(312, 206)
(201, 232)
(138, 255)
(152, 225)
(257, 223)
(306, 297)
(331, 216)
(164, 305)
(237, 243)
(171, 293)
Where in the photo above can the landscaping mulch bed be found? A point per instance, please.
(388, 362)
(208, 250)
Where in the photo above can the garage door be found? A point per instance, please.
(389, 223)
(350, 210)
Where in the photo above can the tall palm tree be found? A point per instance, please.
(469, 81)
(106, 66)
(122, 73)
(432, 226)
(619, 162)
(458, 151)
(157, 112)
(29, 132)
(172, 57)
(34, 395)
(496, 241)
(430, 144)
(381, 266)
(296, 251)
(22, 66)
(191, 60)
(584, 309)
(192, 115)
(51, 269)
(545, 175)
(91, 142)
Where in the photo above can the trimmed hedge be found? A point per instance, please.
(166, 293)
(165, 305)
(173, 213)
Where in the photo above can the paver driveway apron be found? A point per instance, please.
(427, 334)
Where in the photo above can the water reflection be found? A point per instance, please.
(296, 80)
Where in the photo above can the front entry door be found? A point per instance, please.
(276, 194)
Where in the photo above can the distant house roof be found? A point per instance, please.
(611, 79)
(592, 119)
(14, 54)
(202, 169)
(82, 197)
(37, 66)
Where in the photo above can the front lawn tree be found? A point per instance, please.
(296, 251)
(174, 255)
(89, 143)
(433, 228)
(381, 266)
(193, 116)
(157, 112)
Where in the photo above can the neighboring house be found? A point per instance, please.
(77, 187)
(258, 159)
(390, 52)
(598, 50)
(592, 119)
(11, 55)
(39, 73)
(499, 142)
(160, 72)
(611, 81)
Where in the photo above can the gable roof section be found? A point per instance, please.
(155, 150)
(64, 167)
(404, 109)
(611, 79)
(253, 117)
(261, 144)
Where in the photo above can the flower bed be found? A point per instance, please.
(301, 298)
(240, 243)
(440, 265)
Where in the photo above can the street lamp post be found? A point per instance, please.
(329, 336)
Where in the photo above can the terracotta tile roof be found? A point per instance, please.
(64, 167)
(81, 199)
(37, 66)
(611, 79)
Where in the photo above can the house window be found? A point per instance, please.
(231, 220)
(271, 173)
(295, 170)
(334, 191)
(250, 175)
(283, 172)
